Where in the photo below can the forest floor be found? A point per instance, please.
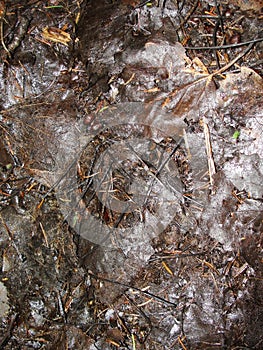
(131, 162)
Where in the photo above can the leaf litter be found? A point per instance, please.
(194, 281)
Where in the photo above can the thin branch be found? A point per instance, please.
(2, 19)
(149, 294)
(230, 46)
(5, 339)
(231, 63)
(188, 15)
(211, 164)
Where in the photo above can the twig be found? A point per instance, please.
(188, 15)
(177, 255)
(148, 320)
(180, 341)
(219, 23)
(142, 4)
(210, 76)
(221, 47)
(227, 66)
(211, 164)
(149, 294)
(2, 18)
(231, 63)
(44, 234)
(22, 29)
(8, 333)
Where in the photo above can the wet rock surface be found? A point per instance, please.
(130, 177)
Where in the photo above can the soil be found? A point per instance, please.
(131, 162)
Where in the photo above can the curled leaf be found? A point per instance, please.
(56, 35)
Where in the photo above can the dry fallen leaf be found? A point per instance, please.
(56, 35)
(197, 67)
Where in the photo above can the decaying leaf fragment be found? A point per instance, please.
(4, 302)
(197, 67)
(56, 35)
(245, 5)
